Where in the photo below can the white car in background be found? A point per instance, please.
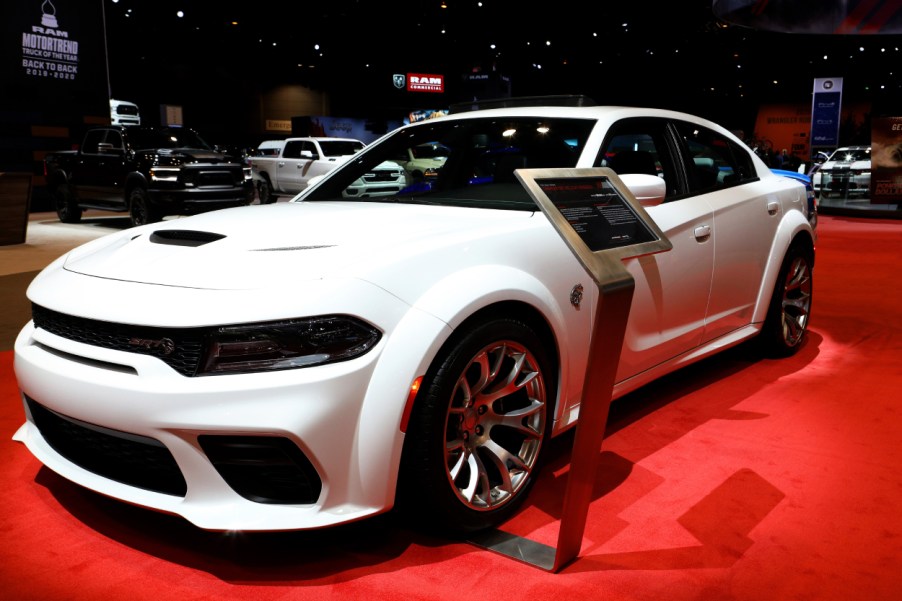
(318, 361)
(846, 173)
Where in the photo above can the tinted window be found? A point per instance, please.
(92, 139)
(337, 148)
(714, 160)
(293, 149)
(640, 146)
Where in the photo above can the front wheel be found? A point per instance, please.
(140, 209)
(790, 306)
(67, 208)
(475, 434)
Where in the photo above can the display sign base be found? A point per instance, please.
(603, 224)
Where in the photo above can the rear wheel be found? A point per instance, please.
(67, 208)
(265, 192)
(475, 435)
(790, 306)
(140, 209)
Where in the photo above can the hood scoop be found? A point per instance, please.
(184, 237)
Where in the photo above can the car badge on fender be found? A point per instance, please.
(576, 295)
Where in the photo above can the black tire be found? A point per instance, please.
(787, 318)
(140, 210)
(67, 208)
(265, 192)
(472, 452)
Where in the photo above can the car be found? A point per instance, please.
(423, 161)
(327, 359)
(846, 173)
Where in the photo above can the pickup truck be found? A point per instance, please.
(287, 167)
(149, 172)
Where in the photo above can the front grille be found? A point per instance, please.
(180, 348)
(127, 458)
(218, 176)
(264, 469)
(382, 175)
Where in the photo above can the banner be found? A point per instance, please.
(826, 104)
(886, 160)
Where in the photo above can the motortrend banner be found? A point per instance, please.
(53, 57)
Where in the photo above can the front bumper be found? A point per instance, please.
(120, 403)
(189, 201)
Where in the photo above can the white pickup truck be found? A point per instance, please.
(286, 167)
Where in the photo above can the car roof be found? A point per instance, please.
(605, 113)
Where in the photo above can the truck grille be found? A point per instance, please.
(382, 175)
(208, 176)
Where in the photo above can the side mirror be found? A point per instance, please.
(649, 190)
(307, 154)
(107, 148)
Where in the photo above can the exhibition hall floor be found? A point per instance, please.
(735, 479)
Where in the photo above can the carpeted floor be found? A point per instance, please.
(735, 479)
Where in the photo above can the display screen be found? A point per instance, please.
(597, 212)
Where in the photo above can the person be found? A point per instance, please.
(781, 160)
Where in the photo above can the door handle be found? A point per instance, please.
(702, 232)
(772, 207)
(281, 163)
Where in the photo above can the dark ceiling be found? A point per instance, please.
(673, 54)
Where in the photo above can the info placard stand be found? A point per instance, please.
(603, 224)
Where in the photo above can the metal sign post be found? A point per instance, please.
(602, 224)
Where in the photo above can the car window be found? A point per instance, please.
(714, 160)
(293, 149)
(640, 146)
(469, 163)
(114, 138)
(338, 148)
(92, 139)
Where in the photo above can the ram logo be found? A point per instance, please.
(399, 80)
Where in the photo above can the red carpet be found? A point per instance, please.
(736, 479)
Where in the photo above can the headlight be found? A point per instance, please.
(287, 344)
(164, 174)
(248, 174)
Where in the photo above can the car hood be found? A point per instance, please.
(266, 246)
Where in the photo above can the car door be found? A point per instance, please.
(745, 219)
(291, 169)
(112, 169)
(671, 292)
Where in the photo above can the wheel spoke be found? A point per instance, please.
(514, 419)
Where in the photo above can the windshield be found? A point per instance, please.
(847, 155)
(142, 138)
(464, 162)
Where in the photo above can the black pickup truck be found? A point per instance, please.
(150, 172)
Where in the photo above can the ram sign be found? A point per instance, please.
(419, 82)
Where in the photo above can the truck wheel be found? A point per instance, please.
(265, 193)
(140, 210)
(67, 209)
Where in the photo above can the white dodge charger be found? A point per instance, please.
(312, 362)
